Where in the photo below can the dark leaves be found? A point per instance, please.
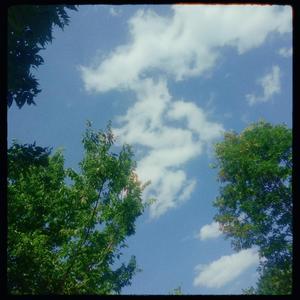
(29, 30)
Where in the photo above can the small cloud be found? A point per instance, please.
(226, 269)
(270, 84)
(114, 11)
(209, 231)
(285, 52)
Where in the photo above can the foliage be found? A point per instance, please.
(29, 30)
(67, 238)
(255, 202)
(177, 291)
(249, 291)
(275, 281)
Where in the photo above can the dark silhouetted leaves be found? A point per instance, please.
(29, 30)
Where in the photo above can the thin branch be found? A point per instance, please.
(83, 240)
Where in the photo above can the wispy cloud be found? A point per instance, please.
(285, 52)
(168, 147)
(270, 84)
(209, 231)
(174, 131)
(114, 11)
(179, 45)
(226, 269)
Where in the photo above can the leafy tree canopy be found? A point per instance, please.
(255, 201)
(29, 30)
(67, 238)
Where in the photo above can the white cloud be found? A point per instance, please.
(170, 131)
(225, 269)
(270, 84)
(185, 44)
(114, 11)
(187, 191)
(285, 52)
(209, 231)
(196, 119)
(168, 147)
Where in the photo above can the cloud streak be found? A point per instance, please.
(209, 231)
(285, 52)
(226, 269)
(150, 123)
(114, 11)
(180, 46)
(270, 84)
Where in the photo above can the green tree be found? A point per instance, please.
(66, 229)
(29, 30)
(255, 201)
(177, 291)
(275, 280)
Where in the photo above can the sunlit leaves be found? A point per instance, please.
(66, 238)
(255, 202)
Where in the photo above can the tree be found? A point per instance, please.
(29, 30)
(255, 201)
(176, 291)
(273, 281)
(66, 229)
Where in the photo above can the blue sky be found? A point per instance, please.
(172, 79)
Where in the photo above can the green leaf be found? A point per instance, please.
(66, 238)
(255, 201)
